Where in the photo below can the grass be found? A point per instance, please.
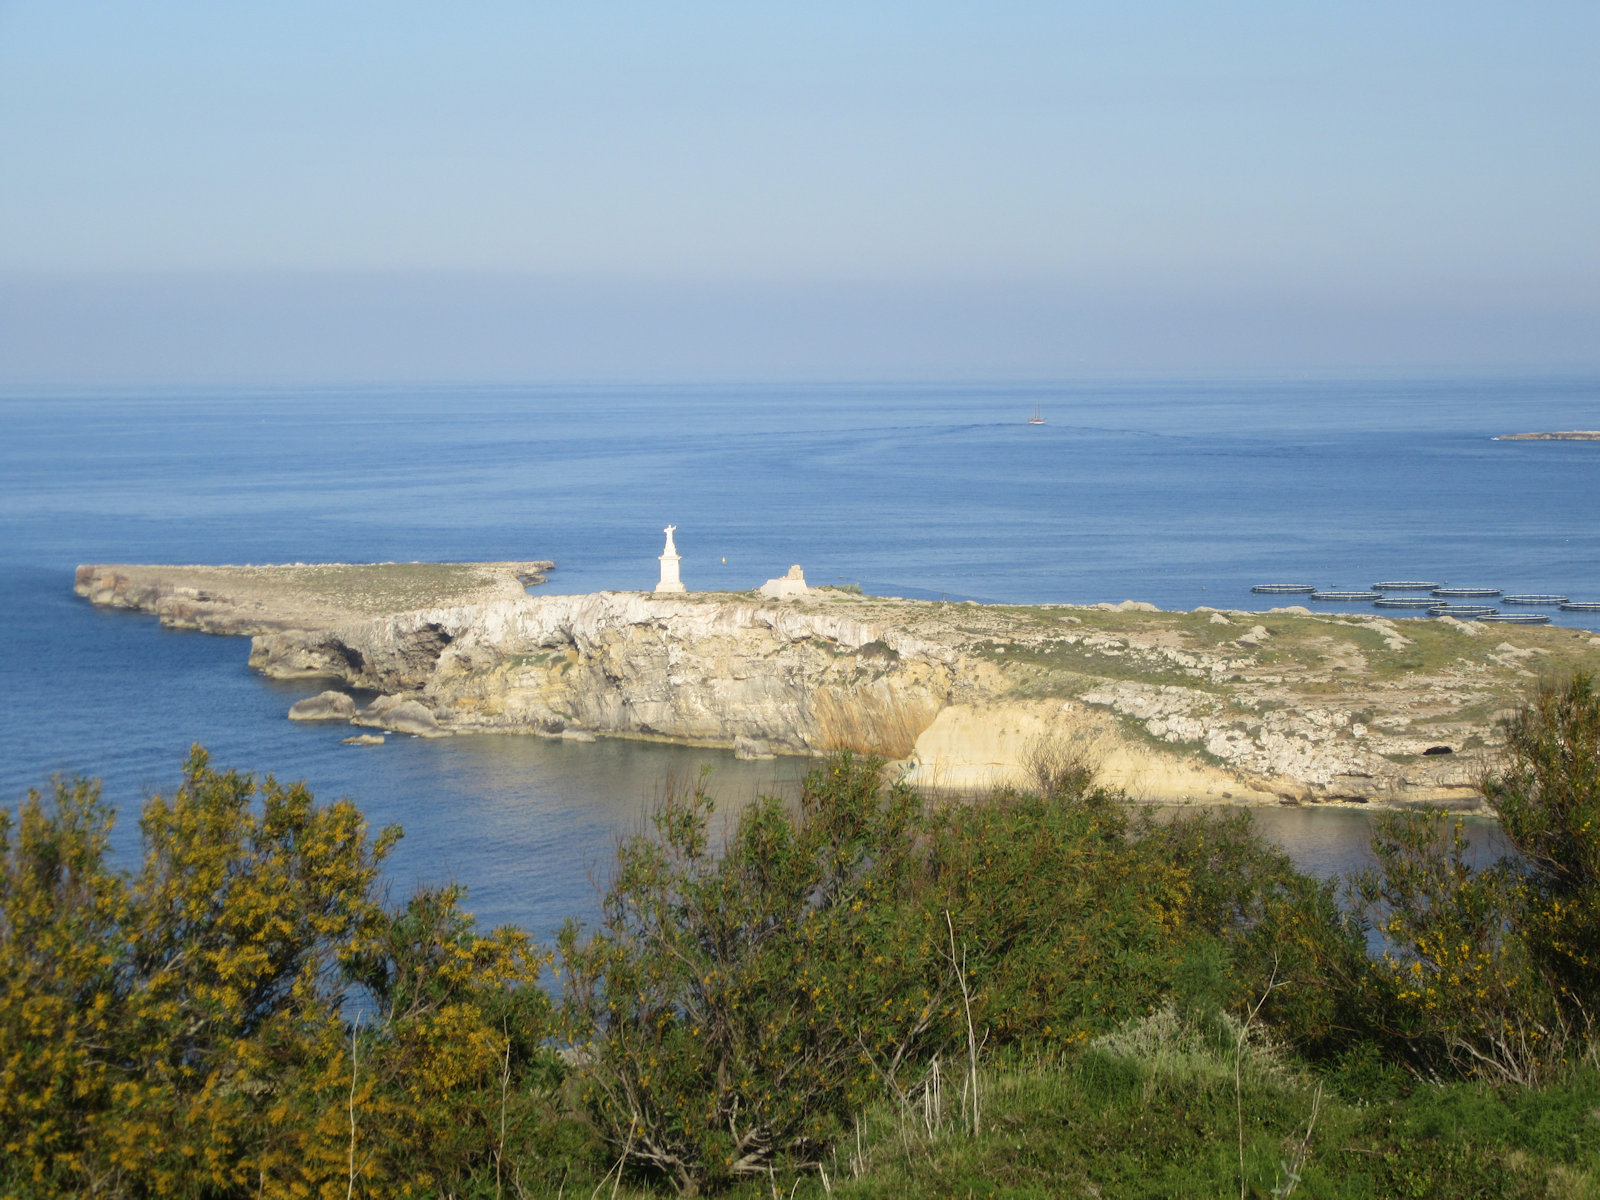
(379, 588)
(1064, 668)
(1481, 715)
(1155, 1113)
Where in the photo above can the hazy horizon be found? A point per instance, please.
(395, 193)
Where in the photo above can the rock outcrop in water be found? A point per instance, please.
(325, 706)
(1209, 705)
(1565, 435)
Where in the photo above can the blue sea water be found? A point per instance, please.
(1181, 493)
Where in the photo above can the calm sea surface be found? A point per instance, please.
(1178, 493)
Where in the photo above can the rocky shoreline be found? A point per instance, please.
(1210, 706)
(1568, 435)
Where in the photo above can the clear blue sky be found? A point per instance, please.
(495, 190)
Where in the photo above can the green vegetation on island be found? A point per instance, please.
(1035, 993)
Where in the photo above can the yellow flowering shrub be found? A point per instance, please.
(194, 1029)
(1492, 971)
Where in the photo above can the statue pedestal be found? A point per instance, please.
(669, 574)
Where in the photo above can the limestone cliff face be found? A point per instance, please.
(1209, 705)
(762, 678)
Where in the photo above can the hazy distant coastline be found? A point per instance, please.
(1568, 435)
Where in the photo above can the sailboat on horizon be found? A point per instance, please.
(1037, 418)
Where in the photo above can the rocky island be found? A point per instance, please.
(1208, 706)
(1569, 435)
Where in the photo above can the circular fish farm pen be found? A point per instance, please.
(1346, 597)
(1439, 600)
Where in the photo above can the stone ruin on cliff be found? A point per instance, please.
(785, 588)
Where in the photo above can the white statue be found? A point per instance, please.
(669, 566)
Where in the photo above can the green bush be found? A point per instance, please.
(1453, 990)
(1066, 930)
(183, 1031)
(1547, 796)
(1492, 972)
(1262, 933)
(244, 1014)
(736, 1008)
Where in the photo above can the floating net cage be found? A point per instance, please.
(1438, 600)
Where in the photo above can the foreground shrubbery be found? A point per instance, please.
(188, 1032)
(1495, 973)
(854, 992)
(738, 1008)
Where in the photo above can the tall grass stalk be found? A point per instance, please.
(1238, 1066)
(972, 1040)
(350, 1186)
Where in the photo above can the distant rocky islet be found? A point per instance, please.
(1567, 435)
